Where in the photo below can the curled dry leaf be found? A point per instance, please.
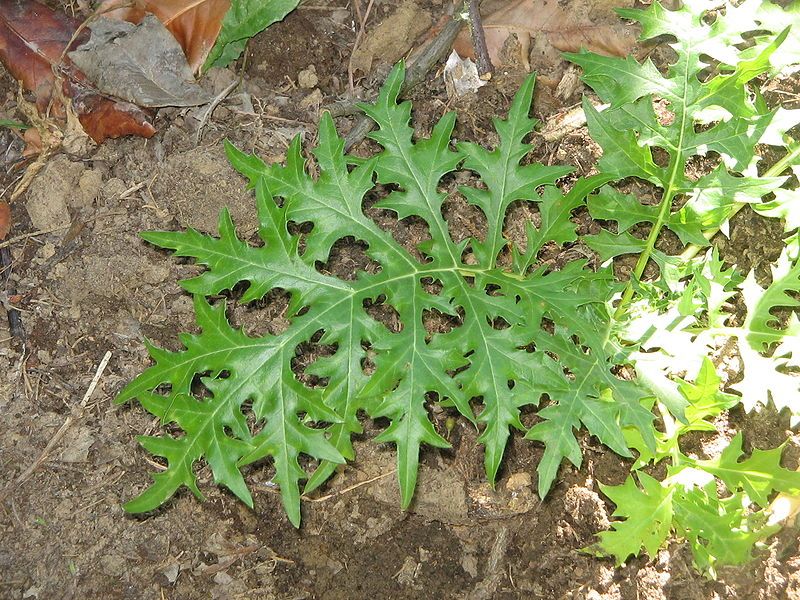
(194, 23)
(589, 24)
(33, 39)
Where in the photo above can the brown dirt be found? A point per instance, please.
(63, 533)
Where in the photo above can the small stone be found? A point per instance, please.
(307, 78)
(47, 251)
(89, 186)
(470, 564)
(113, 188)
(78, 444)
(48, 215)
(48, 196)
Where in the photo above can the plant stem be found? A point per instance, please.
(670, 429)
(663, 214)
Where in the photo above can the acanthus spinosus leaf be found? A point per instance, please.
(683, 114)
(647, 522)
(520, 331)
(719, 525)
(758, 475)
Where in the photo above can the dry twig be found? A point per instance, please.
(483, 61)
(355, 486)
(13, 314)
(431, 54)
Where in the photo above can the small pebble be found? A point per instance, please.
(307, 78)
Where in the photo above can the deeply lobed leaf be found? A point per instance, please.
(551, 342)
(697, 116)
(657, 124)
(719, 525)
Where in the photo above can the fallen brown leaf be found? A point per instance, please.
(568, 26)
(194, 23)
(32, 41)
(5, 219)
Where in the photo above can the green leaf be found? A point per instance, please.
(610, 205)
(622, 154)
(555, 211)
(773, 17)
(216, 427)
(697, 402)
(698, 115)
(501, 355)
(758, 476)
(717, 285)
(646, 522)
(11, 124)
(705, 399)
(706, 105)
(718, 524)
(244, 19)
(766, 378)
(595, 399)
(762, 325)
(711, 200)
(608, 245)
(720, 531)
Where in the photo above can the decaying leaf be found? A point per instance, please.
(32, 41)
(140, 63)
(390, 40)
(194, 23)
(461, 76)
(568, 27)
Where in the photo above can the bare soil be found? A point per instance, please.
(97, 287)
